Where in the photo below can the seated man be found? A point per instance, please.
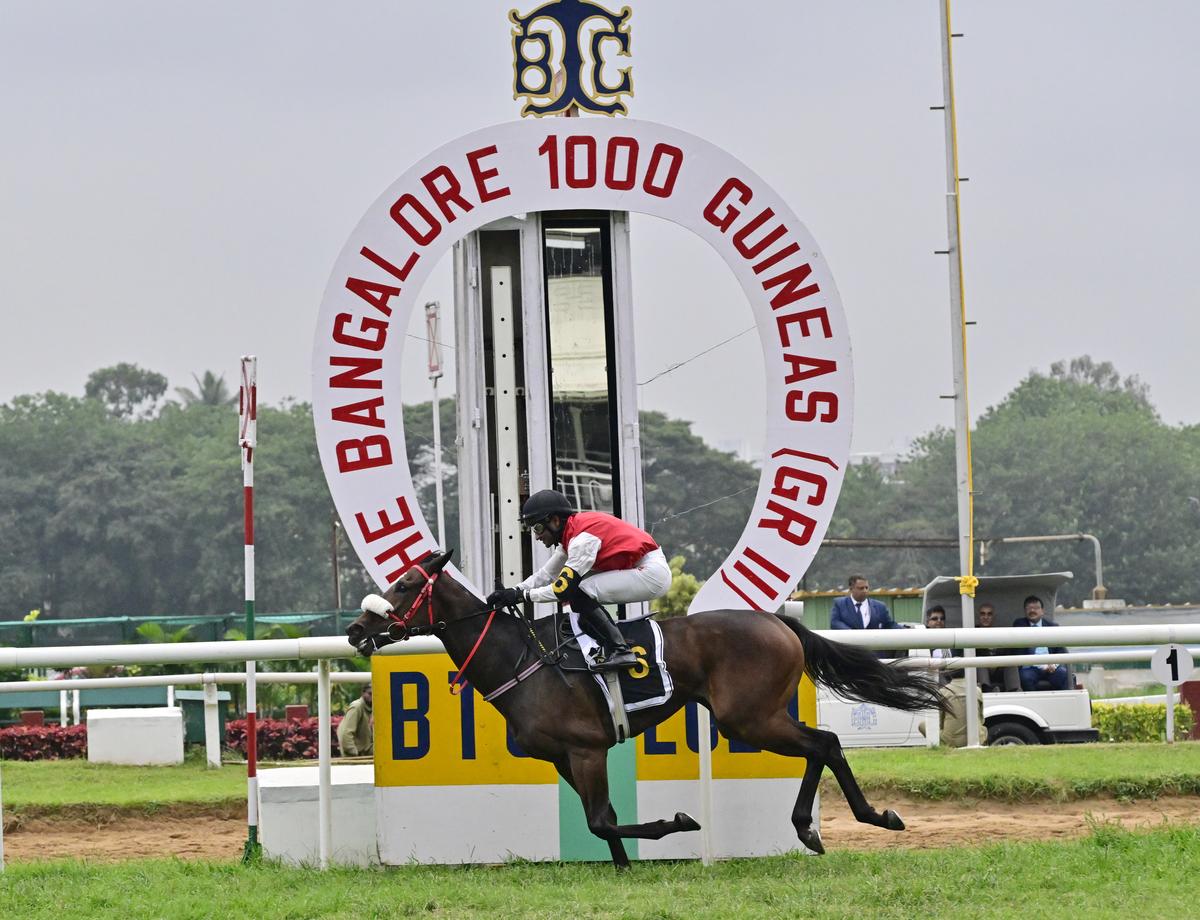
(992, 680)
(600, 560)
(1054, 675)
(935, 618)
(953, 731)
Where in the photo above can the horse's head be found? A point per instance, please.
(389, 617)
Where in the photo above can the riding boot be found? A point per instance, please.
(615, 654)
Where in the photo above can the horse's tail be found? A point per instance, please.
(855, 673)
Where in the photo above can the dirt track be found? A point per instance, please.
(208, 833)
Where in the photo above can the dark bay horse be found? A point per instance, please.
(743, 666)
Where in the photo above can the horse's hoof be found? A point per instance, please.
(811, 839)
(685, 822)
(892, 821)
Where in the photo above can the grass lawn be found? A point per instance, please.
(1108, 874)
(1018, 772)
(50, 784)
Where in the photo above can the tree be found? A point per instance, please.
(679, 596)
(126, 390)
(697, 499)
(210, 391)
(1077, 450)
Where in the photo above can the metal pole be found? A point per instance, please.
(247, 442)
(958, 340)
(74, 707)
(1100, 592)
(64, 715)
(324, 768)
(435, 373)
(704, 748)
(337, 575)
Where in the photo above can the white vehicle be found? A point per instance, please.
(1037, 717)
(1015, 717)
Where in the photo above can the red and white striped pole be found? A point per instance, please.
(247, 440)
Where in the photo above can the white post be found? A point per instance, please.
(324, 769)
(74, 707)
(212, 738)
(704, 747)
(1170, 713)
(435, 372)
(171, 695)
(958, 339)
(64, 714)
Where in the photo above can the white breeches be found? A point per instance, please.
(650, 578)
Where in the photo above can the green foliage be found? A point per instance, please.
(1140, 721)
(211, 390)
(126, 390)
(697, 499)
(154, 632)
(684, 587)
(1077, 450)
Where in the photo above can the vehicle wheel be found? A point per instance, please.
(1011, 733)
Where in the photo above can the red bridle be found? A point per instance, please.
(424, 597)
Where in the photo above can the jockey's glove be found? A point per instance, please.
(506, 597)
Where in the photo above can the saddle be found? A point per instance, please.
(644, 686)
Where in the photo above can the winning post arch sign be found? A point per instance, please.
(600, 164)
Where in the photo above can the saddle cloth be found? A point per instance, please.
(646, 685)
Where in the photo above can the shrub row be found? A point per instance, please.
(279, 739)
(1140, 721)
(43, 742)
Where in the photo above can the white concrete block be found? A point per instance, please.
(751, 817)
(468, 824)
(140, 737)
(287, 815)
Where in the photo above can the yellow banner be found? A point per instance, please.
(669, 750)
(426, 737)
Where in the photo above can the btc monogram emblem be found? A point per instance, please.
(549, 50)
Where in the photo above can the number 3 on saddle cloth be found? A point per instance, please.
(645, 685)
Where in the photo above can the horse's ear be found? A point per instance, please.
(441, 561)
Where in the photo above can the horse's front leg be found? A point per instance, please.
(615, 847)
(589, 776)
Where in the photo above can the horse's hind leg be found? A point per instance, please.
(588, 774)
(782, 734)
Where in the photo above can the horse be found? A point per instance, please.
(743, 666)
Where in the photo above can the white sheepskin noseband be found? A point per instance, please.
(375, 604)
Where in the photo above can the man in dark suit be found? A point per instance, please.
(857, 611)
(1031, 675)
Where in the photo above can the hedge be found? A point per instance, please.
(43, 742)
(279, 739)
(1140, 721)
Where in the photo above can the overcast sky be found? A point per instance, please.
(176, 181)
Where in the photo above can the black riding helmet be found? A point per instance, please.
(543, 505)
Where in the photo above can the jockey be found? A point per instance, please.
(600, 560)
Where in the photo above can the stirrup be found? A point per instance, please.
(619, 660)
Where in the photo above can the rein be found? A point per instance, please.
(426, 597)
